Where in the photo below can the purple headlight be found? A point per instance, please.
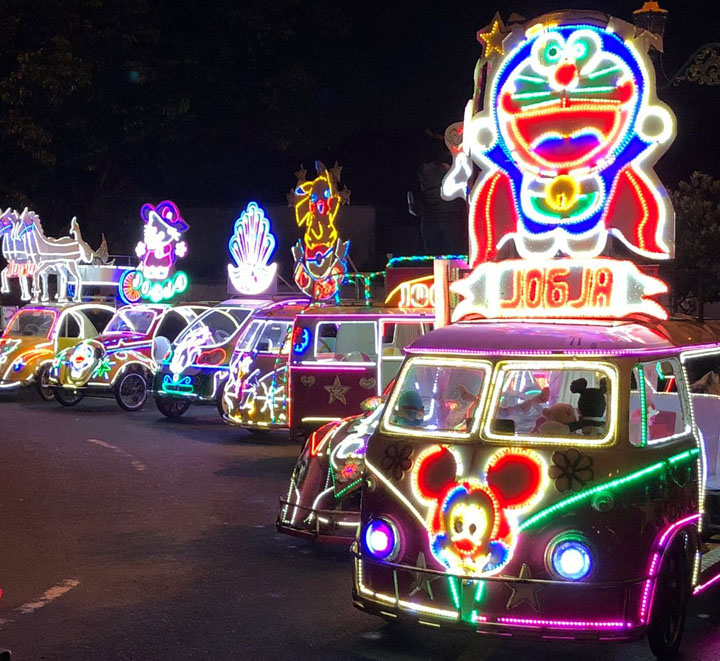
(381, 539)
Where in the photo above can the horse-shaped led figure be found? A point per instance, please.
(60, 256)
(14, 250)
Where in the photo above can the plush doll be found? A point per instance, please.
(557, 420)
(591, 406)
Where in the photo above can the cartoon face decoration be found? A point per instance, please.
(82, 360)
(320, 257)
(472, 523)
(161, 244)
(569, 130)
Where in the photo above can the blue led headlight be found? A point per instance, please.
(570, 557)
(381, 539)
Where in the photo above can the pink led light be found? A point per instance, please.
(332, 368)
(644, 603)
(561, 352)
(564, 624)
(481, 618)
(704, 586)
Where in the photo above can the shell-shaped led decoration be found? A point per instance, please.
(251, 246)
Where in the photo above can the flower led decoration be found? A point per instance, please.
(571, 470)
(251, 246)
(397, 459)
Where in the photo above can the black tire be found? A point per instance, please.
(68, 397)
(170, 407)
(672, 593)
(131, 391)
(219, 401)
(41, 382)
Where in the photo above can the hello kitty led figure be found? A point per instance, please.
(557, 152)
(162, 244)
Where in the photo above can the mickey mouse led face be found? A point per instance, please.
(472, 523)
(564, 146)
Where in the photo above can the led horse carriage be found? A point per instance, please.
(542, 466)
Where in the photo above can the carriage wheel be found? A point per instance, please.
(129, 286)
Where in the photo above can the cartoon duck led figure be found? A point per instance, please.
(560, 155)
(472, 523)
(162, 244)
(321, 256)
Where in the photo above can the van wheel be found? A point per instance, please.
(672, 594)
(220, 402)
(172, 408)
(67, 397)
(43, 384)
(131, 391)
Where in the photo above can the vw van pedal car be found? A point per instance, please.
(546, 465)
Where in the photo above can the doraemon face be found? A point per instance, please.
(567, 103)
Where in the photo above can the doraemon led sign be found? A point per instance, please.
(558, 153)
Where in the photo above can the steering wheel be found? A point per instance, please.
(31, 329)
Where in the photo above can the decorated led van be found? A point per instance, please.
(120, 362)
(544, 465)
(195, 368)
(36, 333)
(323, 499)
(256, 395)
(341, 355)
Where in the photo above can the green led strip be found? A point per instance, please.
(643, 407)
(340, 493)
(454, 592)
(633, 477)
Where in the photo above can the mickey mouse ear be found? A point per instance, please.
(578, 385)
(516, 476)
(435, 468)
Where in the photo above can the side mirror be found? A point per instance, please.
(372, 403)
(160, 347)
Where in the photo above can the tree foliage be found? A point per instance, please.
(695, 274)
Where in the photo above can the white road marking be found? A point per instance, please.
(47, 597)
(137, 465)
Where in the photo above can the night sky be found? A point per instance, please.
(217, 103)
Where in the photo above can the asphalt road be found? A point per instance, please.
(128, 536)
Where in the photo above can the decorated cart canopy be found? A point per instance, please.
(554, 157)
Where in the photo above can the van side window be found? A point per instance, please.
(703, 374)
(657, 412)
(272, 337)
(346, 341)
(70, 327)
(326, 338)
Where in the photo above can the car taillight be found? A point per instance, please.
(212, 357)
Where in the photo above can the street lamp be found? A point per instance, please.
(651, 17)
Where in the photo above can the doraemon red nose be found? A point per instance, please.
(566, 74)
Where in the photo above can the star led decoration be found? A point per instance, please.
(337, 391)
(492, 36)
(524, 592)
(421, 579)
(101, 371)
(335, 172)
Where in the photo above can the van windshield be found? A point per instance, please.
(437, 397)
(540, 402)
